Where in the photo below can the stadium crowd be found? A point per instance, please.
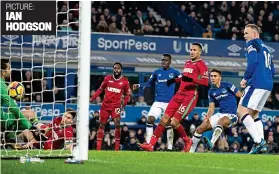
(221, 20)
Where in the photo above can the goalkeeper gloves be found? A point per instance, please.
(170, 81)
(187, 79)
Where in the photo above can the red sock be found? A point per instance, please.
(100, 136)
(157, 134)
(181, 131)
(117, 139)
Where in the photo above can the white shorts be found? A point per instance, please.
(157, 109)
(254, 98)
(216, 117)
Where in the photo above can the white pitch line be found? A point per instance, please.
(190, 166)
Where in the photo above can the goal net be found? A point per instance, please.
(55, 72)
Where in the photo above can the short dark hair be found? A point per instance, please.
(72, 112)
(216, 70)
(117, 63)
(4, 62)
(198, 44)
(167, 55)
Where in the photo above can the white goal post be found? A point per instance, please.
(83, 80)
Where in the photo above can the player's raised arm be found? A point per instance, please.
(100, 90)
(252, 60)
(146, 84)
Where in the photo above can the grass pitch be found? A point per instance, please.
(110, 162)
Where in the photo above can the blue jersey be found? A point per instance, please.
(260, 69)
(163, 92)
(224, 96)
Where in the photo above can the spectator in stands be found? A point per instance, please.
(151, 19)
(38, 98)
(107, 145)
(140, 136)
(124, 135)
(200, 148)
(208, 32)
(102, 25)
(59, 96)
(112, 28)
(272, 146)
(196, 121)
(132, 146)
(276, 38)
(222, 145)
(141, 101)
(269, 103)
(65, 26)
(136, 27)
(47, 93)
(140, 17)
(235, 147)
(92, 140)
(28, 85)
(142, 121)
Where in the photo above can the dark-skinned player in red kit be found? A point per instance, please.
(114, 87)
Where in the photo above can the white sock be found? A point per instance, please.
(259, 126)
(169, 137)
(149, 132)
(196, 139)
(250, 125)
(216, 134)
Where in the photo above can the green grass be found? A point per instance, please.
(151, 163)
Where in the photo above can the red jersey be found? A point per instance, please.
(197, 70)
(114, 89)
(58, 135)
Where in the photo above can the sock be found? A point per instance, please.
(157, 134)
(250, 125)
(149, 132)
(216, 134)
(259, 126)
(100, 136)
(181, 131)
(169, 137)
(195, 139)
(117, 139)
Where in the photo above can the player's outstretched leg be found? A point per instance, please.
(205, 126)
(117, 133)
(157, 134)
(222, 124)
(180, 130)
(100, 136)
(170, 135)
(149, 128)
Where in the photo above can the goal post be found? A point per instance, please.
(51, 59)
(83, 80)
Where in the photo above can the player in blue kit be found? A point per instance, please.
(163, 94)
(223, 94)
(258, 84)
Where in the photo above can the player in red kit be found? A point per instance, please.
(114, 86)
(183, 102)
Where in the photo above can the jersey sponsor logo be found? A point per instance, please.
(111, 89)
(110, 81)
(188, 70)
(171, 75)
(162, 81)
(221, 96)
(120, 83)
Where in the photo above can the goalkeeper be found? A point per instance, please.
(12, 120)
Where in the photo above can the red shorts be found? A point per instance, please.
(106, 112)
(180, 106)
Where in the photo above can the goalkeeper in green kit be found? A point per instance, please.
(13, 121)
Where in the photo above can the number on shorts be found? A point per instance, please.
(117, 110)
(182, 108)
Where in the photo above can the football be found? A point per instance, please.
(16, 90)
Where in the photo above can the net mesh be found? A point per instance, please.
(47, 67)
